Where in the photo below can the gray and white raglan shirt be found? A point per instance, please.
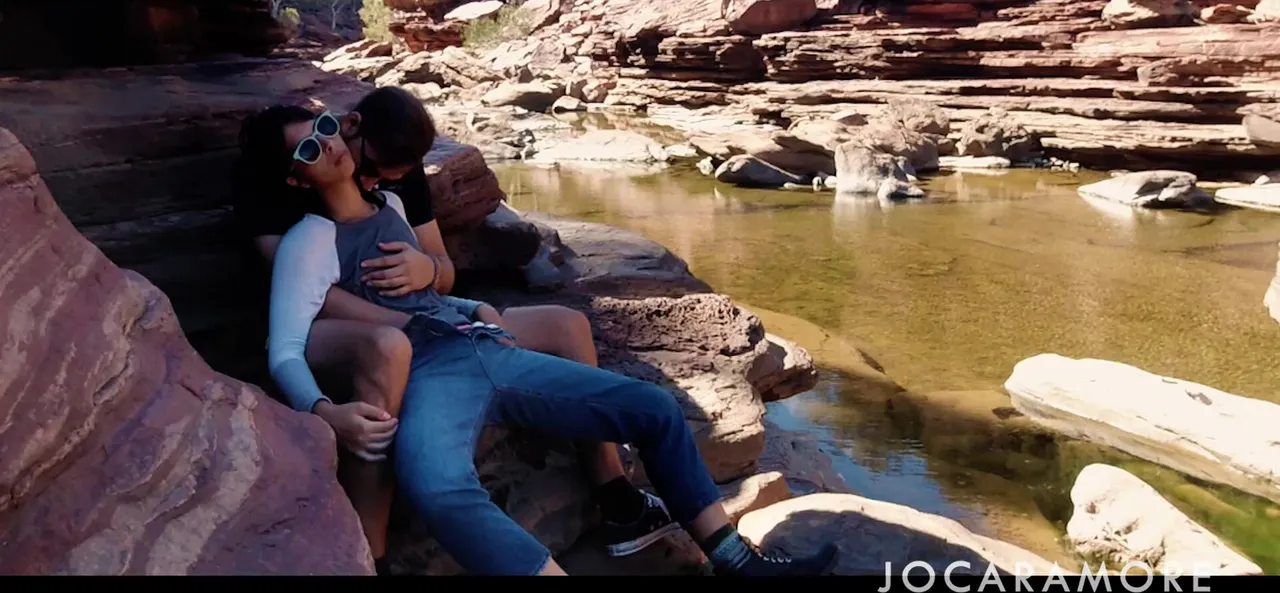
(318, 253)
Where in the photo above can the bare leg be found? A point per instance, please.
(708, 522)
(552, 570)
(376, 360)
(563, 332)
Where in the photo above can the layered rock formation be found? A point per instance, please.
(131, 456)
(140, 158)
(1125, 88)
(64, 33)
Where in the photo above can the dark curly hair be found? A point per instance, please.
(265, 162)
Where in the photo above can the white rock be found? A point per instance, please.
(870, 533)
(1272, 299)
(682, 151)
(606, 146)
(1259, 197)
(1121, 519)
(1197, 430)
(474, 10)
(973, 162)
(1267, 10)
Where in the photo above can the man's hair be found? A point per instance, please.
(396, 125)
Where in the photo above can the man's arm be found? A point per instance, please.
(432, 243)
(338, 303)
(416, 204)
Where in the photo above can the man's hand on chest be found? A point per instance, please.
(403, 270)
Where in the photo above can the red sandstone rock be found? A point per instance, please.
(420, 23)
(139, 160)
(128, 454)
(424, 35)
(1225, 14)
(463, 188)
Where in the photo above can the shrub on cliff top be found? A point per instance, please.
(376, 18)
(508, 24)
(290, 18)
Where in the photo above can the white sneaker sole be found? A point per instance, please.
(631, 547)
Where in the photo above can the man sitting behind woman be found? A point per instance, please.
(465, 374)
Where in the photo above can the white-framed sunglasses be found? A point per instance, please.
(309, 149)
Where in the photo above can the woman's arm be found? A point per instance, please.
(305, 268)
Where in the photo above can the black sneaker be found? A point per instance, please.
(777, 564)
(654, 524)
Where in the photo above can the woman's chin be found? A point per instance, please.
(347, 167)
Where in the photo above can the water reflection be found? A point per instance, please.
(948, 293)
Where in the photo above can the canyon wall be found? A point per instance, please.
(1107, 84)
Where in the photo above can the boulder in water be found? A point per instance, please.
(1197, 430)
(1150, 189)
(1121, 519)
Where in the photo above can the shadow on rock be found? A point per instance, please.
(875, 536)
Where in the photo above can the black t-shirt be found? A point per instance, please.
(274, 213)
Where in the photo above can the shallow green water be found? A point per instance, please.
(948, 294)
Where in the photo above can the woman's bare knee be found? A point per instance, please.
(553, 329)
(383, 368)
(576, 322)
(579, 345)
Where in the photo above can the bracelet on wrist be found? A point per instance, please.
(435, 271)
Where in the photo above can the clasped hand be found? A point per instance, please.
(404, 271)
(363, 429)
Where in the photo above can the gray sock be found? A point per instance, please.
(725, 548)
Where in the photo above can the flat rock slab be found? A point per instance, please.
(1121, 519)
(1197, 430)
(1259, 197)
(870, 533)
(474, 10)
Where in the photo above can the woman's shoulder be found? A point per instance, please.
(311, 229)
